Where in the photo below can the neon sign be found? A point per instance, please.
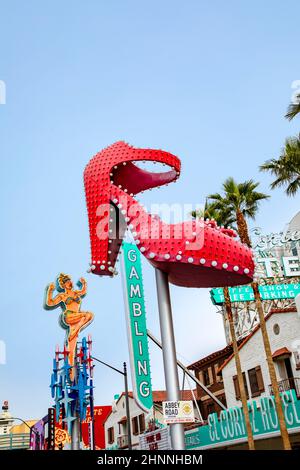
(230, 425)
(136, 326)
(272, 240)
(267, 292)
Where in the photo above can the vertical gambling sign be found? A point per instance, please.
(136, 326)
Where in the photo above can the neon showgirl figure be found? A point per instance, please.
(72, 319)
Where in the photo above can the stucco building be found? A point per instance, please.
(206, 371)
(284, 333)
(116, 430)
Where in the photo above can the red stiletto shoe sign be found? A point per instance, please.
(136, 326)
(193, 253)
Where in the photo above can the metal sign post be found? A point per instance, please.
(169, 353)
(189, 374)
(127, 407)
(75, 432)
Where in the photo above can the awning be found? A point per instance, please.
(282, 353)
(122, 420)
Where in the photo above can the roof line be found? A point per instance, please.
(272, 312)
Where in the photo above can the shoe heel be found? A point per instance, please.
(103, 216)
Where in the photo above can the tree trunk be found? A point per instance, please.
(239, 370)
(244, 236)
(272, 373)
(242, 228)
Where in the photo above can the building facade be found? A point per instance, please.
(284, 333)
(13, 436)
(6, 420)
(277, 257)
(116, 427)
(206, 371)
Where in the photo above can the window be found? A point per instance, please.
(297, 359)
(219, 377)
(276, 329)
(138, 424)
(237, 387)
(135, 426)
(142, 423)
(256, 381)
(210, 408)
(206, 380)
(111, 435)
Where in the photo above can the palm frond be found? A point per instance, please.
(293, 109)
(241, 197)
(286, 168)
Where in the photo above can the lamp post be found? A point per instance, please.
(124, 373)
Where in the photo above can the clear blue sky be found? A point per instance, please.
(207, 80)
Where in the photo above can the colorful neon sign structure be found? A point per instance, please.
(72, 319)
(72, 396)
(195, 253)
(71, 379)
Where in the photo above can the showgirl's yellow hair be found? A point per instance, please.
(62, 278)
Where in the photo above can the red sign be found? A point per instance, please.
(100, 415)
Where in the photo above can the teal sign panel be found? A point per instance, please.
(230, 426)
(136, 326)
(267, 292)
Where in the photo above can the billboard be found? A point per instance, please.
(100, 415)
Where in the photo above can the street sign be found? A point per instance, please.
(267, 292)
(136, 326)
(178, 412)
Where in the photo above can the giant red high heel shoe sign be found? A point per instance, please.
(190, 254)
(193, 253)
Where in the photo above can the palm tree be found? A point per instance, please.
(286, 168)
(224, 217)
(293, 109)
(209, 211)
(243, 201)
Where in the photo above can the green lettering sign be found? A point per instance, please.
(136, 326)
(230, 425)
(267, 292)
